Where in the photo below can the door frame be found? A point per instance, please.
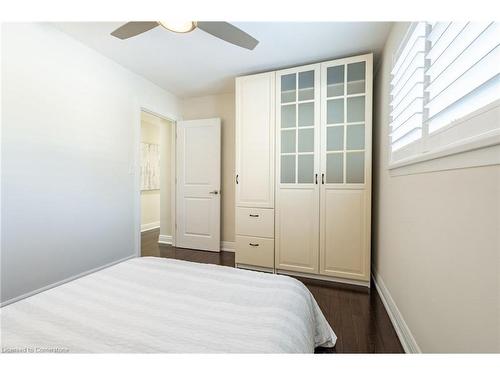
(134, 168)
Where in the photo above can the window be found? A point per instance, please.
(443, 75)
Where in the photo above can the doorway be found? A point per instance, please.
(157, 178)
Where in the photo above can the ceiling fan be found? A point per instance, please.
(221, 30)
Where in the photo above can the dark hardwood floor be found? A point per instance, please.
(356, 314)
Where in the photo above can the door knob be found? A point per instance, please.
(214, 192)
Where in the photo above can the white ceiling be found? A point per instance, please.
(197, 63)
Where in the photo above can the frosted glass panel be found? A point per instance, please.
(355, 167)
(288, 116)
(287, 141)
(306, 140)
(356, 78)
(356, 109)
(306, 169)
(306, 114)
(306, 85)
(335, 138)
(287, 169)
(335, 81)
(335, 168)
(288, 88)
(355, 137)
(335, 111)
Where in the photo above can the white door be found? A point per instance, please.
(255, 141)
(346, 167)
(297, 164)
(198, 184)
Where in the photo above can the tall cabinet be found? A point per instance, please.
(255, 172)
(322, 167)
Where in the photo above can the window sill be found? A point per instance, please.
(476, 151)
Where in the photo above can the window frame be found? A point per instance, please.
(423, 155)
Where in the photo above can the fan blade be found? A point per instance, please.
(229, 33)
(131, 29)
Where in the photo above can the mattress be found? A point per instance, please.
(158, 305)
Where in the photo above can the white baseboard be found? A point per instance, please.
(149, 226)
(57, 283)
(165, 239)
(227, 246)
(402, 330)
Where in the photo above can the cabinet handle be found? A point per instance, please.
(323, 178)
(253, 244)
(316, 178)
(254, 215)
(237, 182)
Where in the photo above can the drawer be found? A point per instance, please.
(255, 251)
(256, 222)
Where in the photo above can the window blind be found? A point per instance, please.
(464, 61)
(407, 88)
(442, 72)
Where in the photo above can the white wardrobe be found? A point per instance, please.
(303, 170)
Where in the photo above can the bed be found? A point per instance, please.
(158, 305)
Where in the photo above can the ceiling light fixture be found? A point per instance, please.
(178, 26)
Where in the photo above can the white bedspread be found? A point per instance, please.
(165, 305)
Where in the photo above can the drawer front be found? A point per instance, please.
(257, 222)
(255, 251)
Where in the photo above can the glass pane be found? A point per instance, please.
(356, 78)
(355, 137)
(335, 138)
(355, 167)
(335, 111)
(287, 141)
(306, 85)
(305, 169)
(335, 81)
(306, 140)
(334, 168)
(306, 114)
(356, 109)
(288, 116)
(288, 88)
(287, 169)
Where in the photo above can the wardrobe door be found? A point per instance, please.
(297, 164)
(346, 114)
(255, 140)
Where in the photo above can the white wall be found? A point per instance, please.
(223, 106)
(436, 241)
(70, 126)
